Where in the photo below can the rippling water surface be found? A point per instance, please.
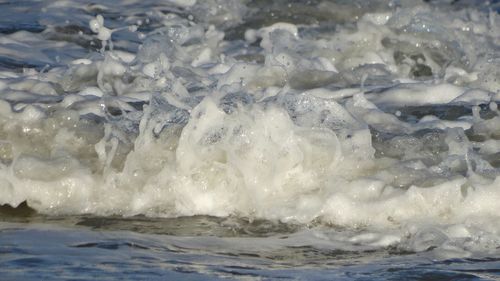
(249, 140)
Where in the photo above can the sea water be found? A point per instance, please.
(248, 139)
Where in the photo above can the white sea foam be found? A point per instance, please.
(375, 125)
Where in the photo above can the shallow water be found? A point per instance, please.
(77, 253)
(249, 139)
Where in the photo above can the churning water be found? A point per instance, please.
(249, 139)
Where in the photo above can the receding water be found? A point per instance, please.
(249, 140)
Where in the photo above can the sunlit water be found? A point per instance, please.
(309, 140)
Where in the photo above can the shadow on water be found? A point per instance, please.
(190, 226)
(23, 211)
(180, 226)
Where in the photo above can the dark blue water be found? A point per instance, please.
(47, 251)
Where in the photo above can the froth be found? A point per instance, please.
(390, 121)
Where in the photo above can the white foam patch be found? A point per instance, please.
(388, 124)
(419, 94)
